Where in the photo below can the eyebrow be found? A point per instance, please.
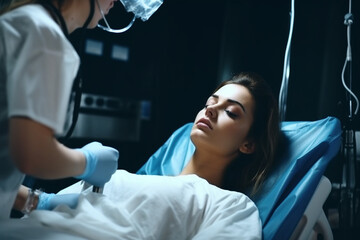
(231, 101)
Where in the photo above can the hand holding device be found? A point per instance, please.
(101, 163)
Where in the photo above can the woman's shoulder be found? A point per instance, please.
(25, 14)
(29, 19)
(31, 27)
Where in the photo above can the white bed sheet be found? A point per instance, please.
(145, 207)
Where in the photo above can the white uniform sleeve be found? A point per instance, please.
(41, 67)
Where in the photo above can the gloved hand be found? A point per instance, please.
(48, 201)
(101, 163)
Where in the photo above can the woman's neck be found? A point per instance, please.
(208, 167)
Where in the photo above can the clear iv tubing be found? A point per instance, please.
(286, 69)
(108, 28)
(348, 59)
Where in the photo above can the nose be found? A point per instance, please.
(211, 112)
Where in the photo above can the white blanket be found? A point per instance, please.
(148, 207)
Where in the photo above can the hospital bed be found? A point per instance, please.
(291, 200)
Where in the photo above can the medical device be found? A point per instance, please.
(286, 69)
(348, 189)
(140, 8)
(97, 189)
(85, 186)
(348, 20)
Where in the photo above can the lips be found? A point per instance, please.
(204, 123)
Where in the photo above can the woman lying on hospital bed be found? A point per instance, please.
(235, 136)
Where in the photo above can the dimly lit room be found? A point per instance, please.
(142, 85)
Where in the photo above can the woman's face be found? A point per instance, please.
(105, 6)
(223, 125)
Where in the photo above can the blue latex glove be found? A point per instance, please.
(101, 163)
(48, 201)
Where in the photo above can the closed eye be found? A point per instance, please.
(231, 114)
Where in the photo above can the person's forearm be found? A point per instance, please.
(37, 153)
(56, 161)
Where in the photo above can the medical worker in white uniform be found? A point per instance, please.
(37, 69)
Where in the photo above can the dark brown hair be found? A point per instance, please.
(249, 171)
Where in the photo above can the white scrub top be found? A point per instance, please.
(37, 69)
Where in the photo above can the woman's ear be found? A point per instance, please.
(248, 147)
